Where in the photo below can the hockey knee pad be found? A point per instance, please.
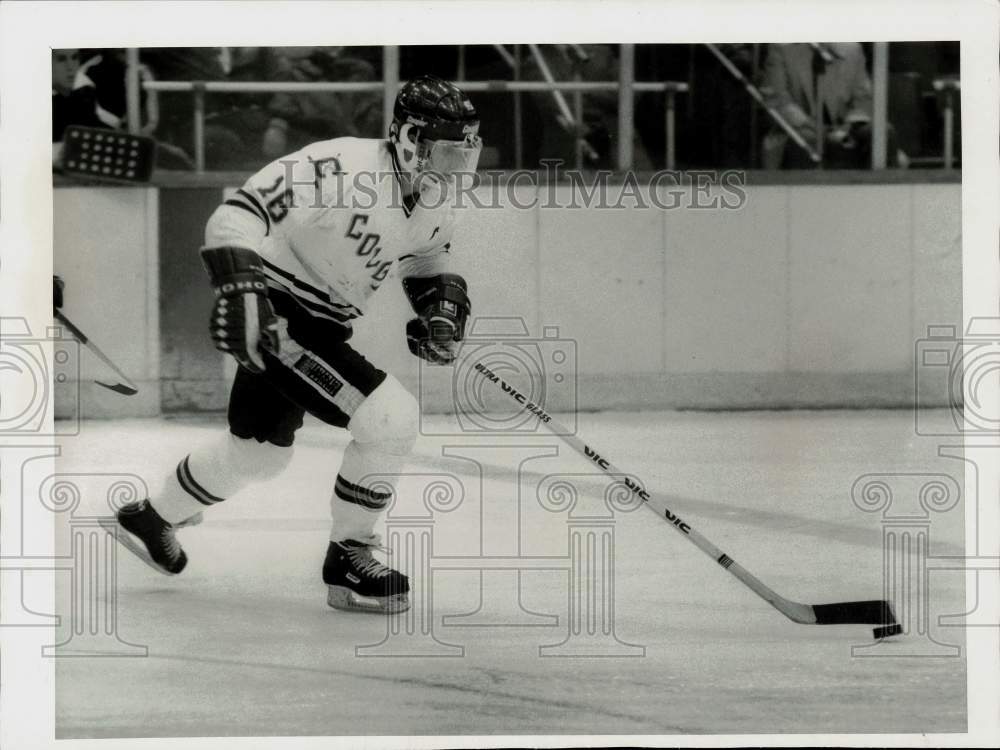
(388, 420)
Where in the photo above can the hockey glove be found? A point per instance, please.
(58, 285)
(442, 306)
(243, 320)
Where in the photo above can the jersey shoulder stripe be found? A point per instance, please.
(252, 200)
(242, 204)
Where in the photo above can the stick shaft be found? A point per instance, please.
(802, 613)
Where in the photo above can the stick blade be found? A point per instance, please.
(872, 612)
(887, 631)
(125, 390)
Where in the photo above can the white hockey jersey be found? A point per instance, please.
(329, 223)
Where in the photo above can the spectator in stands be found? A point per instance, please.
(104, 74)
(224, 146)
(103, 78)
(70, 106)
(302, 118)
(720, 108)
(235, 126)
(820, 86)
(182, 64)
(592, 62)
(914, 104)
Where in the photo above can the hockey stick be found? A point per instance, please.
(126, 387)
(874, 612)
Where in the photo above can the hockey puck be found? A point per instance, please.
(887, 631)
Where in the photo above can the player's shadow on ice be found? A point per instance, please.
(729, 512)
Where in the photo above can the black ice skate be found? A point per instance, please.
(357, 581)
(144, 533)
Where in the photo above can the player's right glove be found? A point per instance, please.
(442, 306)
(243, 320)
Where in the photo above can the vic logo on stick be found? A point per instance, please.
(595, 457)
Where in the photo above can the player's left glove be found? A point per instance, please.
(442, 307)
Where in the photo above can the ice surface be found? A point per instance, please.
(242, 643)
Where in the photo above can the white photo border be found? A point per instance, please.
(29, 29)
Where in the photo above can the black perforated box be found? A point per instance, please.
(107, 154)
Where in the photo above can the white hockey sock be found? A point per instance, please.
(363, 489)
(215, 471)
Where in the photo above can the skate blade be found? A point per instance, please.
(194, 520)
(340, 597)
(129, 542)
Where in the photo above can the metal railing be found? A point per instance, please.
(626, 87)
(950, 88)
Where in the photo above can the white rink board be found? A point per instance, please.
(807, 296)
(105, 247)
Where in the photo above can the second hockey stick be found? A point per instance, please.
(873, 612)
(125, 387)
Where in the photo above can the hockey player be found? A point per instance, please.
(293, 257)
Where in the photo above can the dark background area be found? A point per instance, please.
(718, 124)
